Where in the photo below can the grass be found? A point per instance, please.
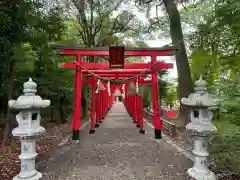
(225, 126)
(225, 149)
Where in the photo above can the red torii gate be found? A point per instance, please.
(104, 70)
(104, 106)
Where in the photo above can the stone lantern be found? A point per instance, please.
(29, 129)
(117, 94)
(132, 89)
(101, 86)
(201, 104)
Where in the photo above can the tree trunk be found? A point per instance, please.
(183, 69)
(1, 97)
(7, 122)
(84, 104)
(52, 111)
(84, 101)
(61, 110)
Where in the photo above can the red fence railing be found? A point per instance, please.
(168, 127)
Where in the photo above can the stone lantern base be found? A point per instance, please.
(200, 175)
(36, 176)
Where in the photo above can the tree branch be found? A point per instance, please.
(91, 17)
(158, 5)
(99, 26)
(116, 29)
(83, 37)
(115, 8)
(83, 20)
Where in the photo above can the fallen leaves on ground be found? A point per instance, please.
(10, 163)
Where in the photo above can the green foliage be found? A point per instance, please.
(225, 147)
(231, 112)
(146, 96)
(214, 48)
(225, 150)
(214, 52)
(105, 22)
(29, 29)
(147, 93)
(13, 24)
(30, 46)
(171, 95)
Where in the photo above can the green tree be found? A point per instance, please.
(28, 37)
(102, 23)
(14, 21)
(175, 29)
(214, 48)
(171, 95)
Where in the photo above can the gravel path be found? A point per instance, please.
(115, 151)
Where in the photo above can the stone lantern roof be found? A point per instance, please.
(200, 98)
(132, 89)
(29, 100)
(117, 92)
(101, 86)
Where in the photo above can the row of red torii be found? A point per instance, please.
(115, 75)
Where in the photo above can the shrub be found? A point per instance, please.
(225, 150)
(232, 112)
